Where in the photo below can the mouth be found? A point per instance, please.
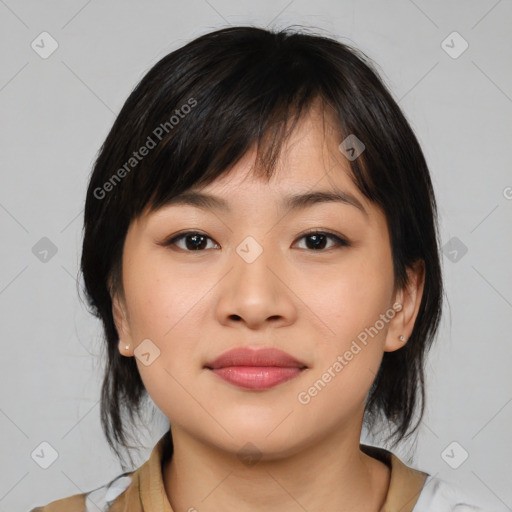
(256, 369)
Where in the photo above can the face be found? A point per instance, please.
(313, 279)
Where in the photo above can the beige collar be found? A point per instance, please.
(405, 485)
(148, 492)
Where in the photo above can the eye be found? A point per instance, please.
(317, 240)
(193, 241)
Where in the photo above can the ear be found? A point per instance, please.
(120, 315)
(407, 302)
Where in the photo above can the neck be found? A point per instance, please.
(333, 475)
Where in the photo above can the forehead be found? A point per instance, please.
(310, 169)
(310, 160)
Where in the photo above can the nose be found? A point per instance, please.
(256, 294)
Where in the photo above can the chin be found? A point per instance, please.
(262, 440)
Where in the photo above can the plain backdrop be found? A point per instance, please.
(56, 110)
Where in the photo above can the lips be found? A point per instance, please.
(251, 357)
(256, 369)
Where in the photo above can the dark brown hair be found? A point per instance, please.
(197, 112)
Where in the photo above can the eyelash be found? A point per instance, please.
(339, 241)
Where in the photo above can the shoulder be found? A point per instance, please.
(443, 496)
(123, 492)
(98, 500)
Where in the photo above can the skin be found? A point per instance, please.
(310, 303)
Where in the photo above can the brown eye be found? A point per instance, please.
(193, 241)
(317, 240)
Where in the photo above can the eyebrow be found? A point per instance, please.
(291, 202)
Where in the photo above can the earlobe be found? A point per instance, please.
(124, 349)
(409, 297)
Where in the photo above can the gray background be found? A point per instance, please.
(56, 111)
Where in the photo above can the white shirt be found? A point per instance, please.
(441, 496)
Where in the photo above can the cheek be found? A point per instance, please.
(165, 307)
(347, 361)
(169, 304)
(161, 296)
(350, 302)
(352, 296)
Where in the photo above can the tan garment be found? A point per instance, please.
(144, 489)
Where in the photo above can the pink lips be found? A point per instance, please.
(255, 369)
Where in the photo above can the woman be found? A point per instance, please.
(260, 243)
